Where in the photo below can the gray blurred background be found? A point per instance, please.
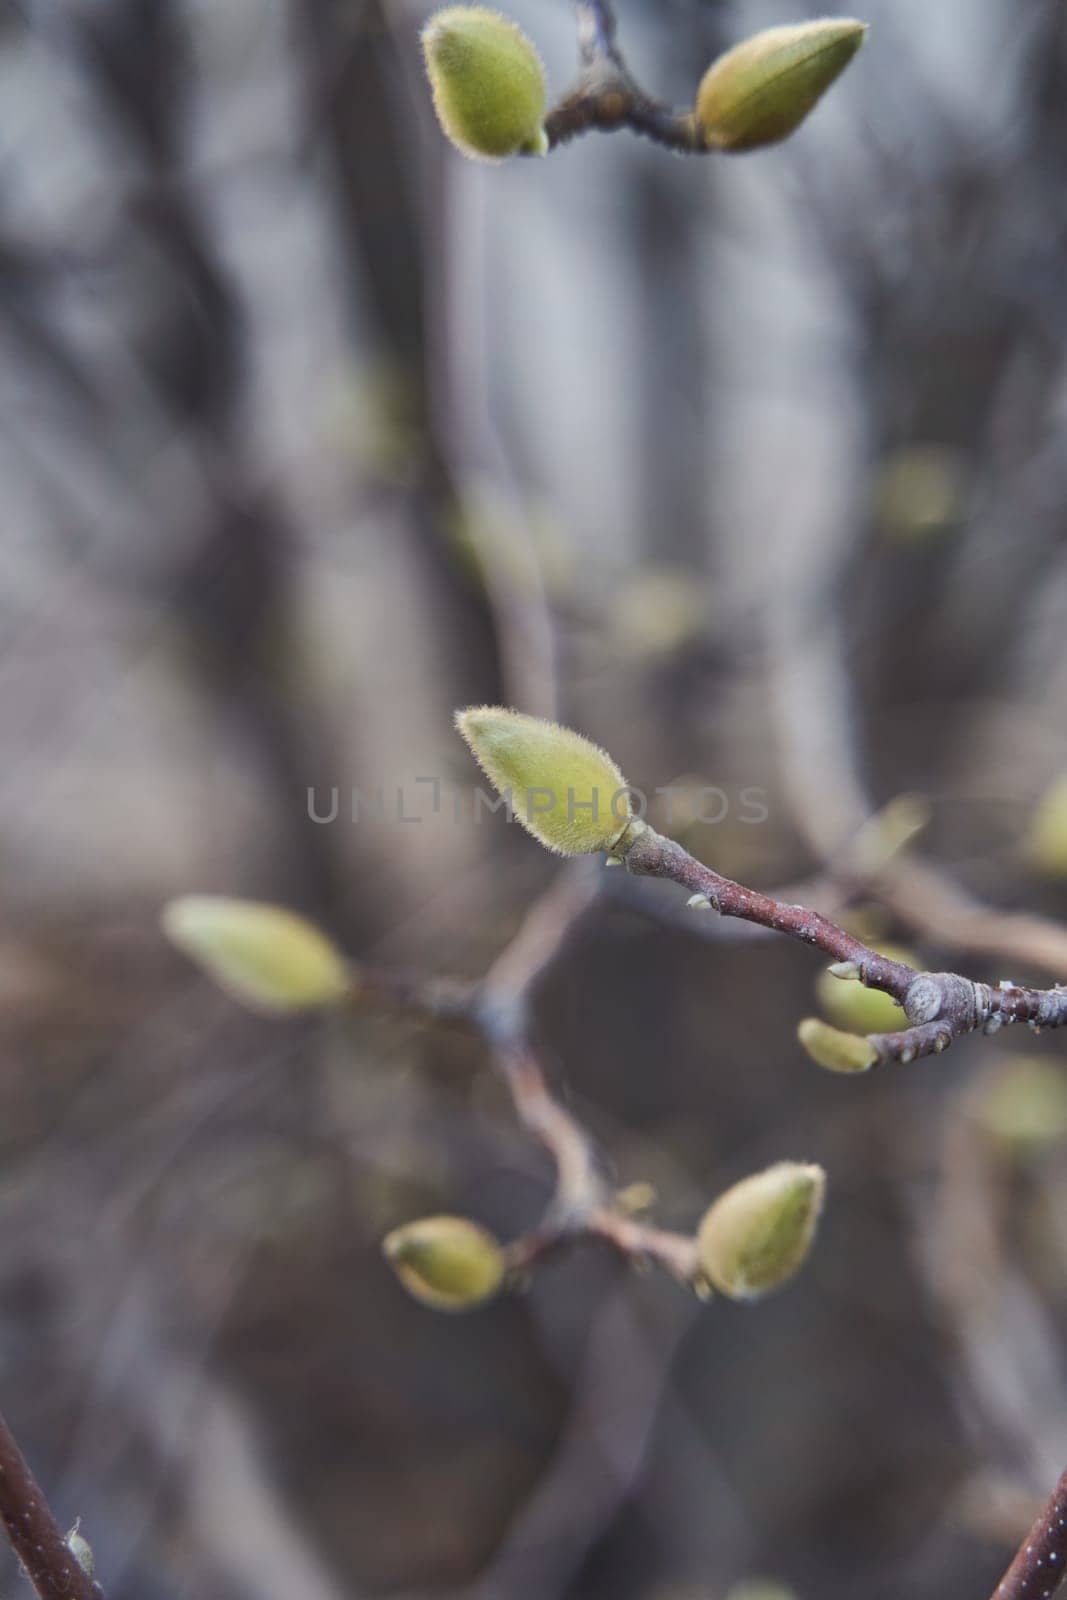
(753, 469)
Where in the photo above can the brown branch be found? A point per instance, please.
(1041, 1563)
(499, 1010)
(34, 1532)
(608, 97)
(940, 1006)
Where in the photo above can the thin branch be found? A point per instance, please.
(34, 1533)
(1038, 1570)
(608, 97)
(940, 1006)
(499, 1010)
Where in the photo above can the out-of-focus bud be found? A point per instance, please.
(1047, 843)
(564, 789)
(268, 958)
(761, 1589)
(888, 833)
(834, 1050)
(851, 1005)
(762, 89)
(920, 492)
(488, 83)
(449, 1263)
(1023, 1105)
(758, 1234)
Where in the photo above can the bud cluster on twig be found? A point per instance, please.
(490, 94)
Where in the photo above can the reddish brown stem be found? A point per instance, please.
(1038, 1570)
(940, 1006)
(34, 1532)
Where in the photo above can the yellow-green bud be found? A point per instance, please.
(488, 83)
(448, 1263)
(850, 1004)
(1048, 832)
(564, 789)
(763, 88)
(834, 1050)
(758, 1234)
(1024, 1104)
(266, 957)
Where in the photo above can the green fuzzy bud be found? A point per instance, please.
(266, 957)
(836, 1051)
(564, 789)
(760, 91)
(448, 1263)
(488, 83)
(851, 1005)
(758, 1234)
(1047, 844)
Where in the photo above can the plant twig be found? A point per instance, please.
(940, 1006)
(1040, 1565)
(34, 1533)
(608, 96)
(499, 1010)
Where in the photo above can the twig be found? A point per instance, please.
(940, 1006)
(34, 1533)
(608, 96)
(1041, 1563)
(499, 1010)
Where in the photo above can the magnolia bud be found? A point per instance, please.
(758, 1234)
(757, 93)
(563, 789)
(488, 83)
(268, 958)
(1048, 832)
(1023, 1105)
(836, 1051)
(448, 1263)
(851, 1005)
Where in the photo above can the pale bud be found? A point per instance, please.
(564, 789)
(760, 91)
(449, 1263)
(266, 957)
(850, 1004)
(488, 83)
(834, 1050)
(81, 1549)
(1048, 831)
(758, 1234)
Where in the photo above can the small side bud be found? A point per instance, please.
(760, 91)
(564, 789)
(81, 1549)
(834, 1050)
(268, 958)
(448, 1263)
(488, 83)
(851, 1005)
(758, 1234)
